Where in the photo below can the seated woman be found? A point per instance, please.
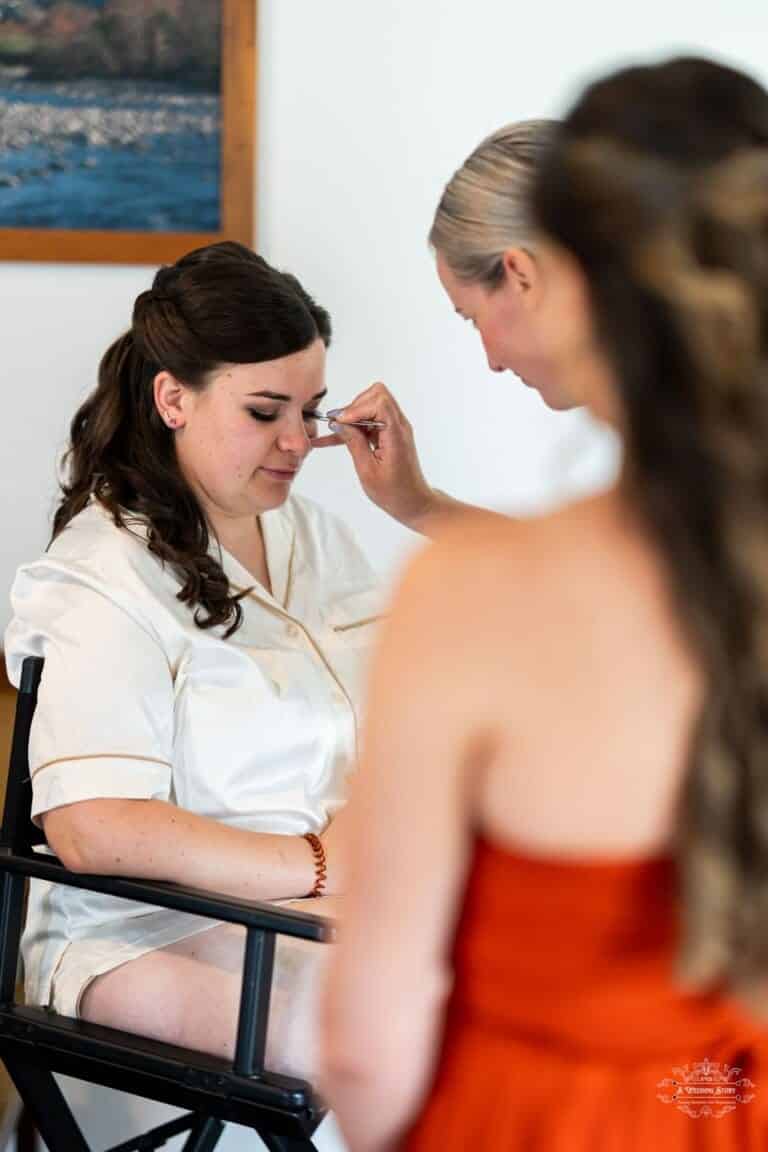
(204, 635)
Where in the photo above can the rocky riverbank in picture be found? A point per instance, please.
(128, 155)
(110, 115)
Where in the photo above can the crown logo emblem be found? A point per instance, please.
(706, 1088)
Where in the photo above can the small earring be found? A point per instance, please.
(170, 420)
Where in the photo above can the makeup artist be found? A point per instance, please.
(485, 245)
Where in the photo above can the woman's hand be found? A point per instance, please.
(385, 459)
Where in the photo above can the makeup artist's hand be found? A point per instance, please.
(385, 459)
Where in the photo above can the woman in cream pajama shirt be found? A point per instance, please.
(205, 635)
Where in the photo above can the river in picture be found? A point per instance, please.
(130, 156)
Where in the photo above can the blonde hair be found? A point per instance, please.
(485, 206)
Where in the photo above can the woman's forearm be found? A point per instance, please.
(439, 511)
(377, 1082)
(159, 841)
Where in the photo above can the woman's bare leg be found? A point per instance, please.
(189, 993)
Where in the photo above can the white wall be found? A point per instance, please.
(365, 109)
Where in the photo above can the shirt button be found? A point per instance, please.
(293, 631)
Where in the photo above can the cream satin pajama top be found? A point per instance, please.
(258, 730)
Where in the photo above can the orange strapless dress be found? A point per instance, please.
(565, 1031)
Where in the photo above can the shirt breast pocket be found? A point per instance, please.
(353, 619)
(352, 626)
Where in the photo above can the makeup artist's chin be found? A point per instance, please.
(552, 396)
(555, 398)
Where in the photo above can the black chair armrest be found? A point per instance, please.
(198, 902)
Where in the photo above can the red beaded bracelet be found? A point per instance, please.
(321, 873)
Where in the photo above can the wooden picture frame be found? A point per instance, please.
(238, 152)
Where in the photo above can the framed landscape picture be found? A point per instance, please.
(127, 128)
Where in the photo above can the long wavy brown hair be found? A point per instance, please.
(218, 305)
(658, 184)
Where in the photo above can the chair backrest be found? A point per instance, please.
(18, 832)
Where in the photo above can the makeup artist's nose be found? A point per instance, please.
(494, 366)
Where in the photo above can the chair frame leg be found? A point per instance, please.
(205, 1135)
(45, 1102)
(26, 1133)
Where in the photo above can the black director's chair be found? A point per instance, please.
(35, 1042)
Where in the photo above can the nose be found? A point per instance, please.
(494, 366)
(294, 439)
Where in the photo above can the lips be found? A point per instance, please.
(284, 472)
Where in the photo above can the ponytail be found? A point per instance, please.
(673, 241)
(93, 430)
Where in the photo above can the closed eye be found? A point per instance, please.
(269, 417)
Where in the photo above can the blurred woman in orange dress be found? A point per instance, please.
(556, 929)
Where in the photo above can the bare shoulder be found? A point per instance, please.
(483, 558)
(495, 610)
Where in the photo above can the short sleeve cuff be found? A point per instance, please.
(98, 778)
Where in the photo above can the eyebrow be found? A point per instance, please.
(279, 395)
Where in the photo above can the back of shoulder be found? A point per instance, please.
(484, 558)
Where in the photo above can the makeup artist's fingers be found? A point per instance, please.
(359, 446)
(385, 459)
(378, 404)
(374, 403)
(326, 441)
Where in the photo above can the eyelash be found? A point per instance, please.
(268, 418)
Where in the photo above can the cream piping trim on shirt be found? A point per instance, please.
(252, 589)
(276, 609)
(281, 613)
(289, 574)
(100, 756)
(357, 623)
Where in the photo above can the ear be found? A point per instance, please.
(521, 275)
(169, 396)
